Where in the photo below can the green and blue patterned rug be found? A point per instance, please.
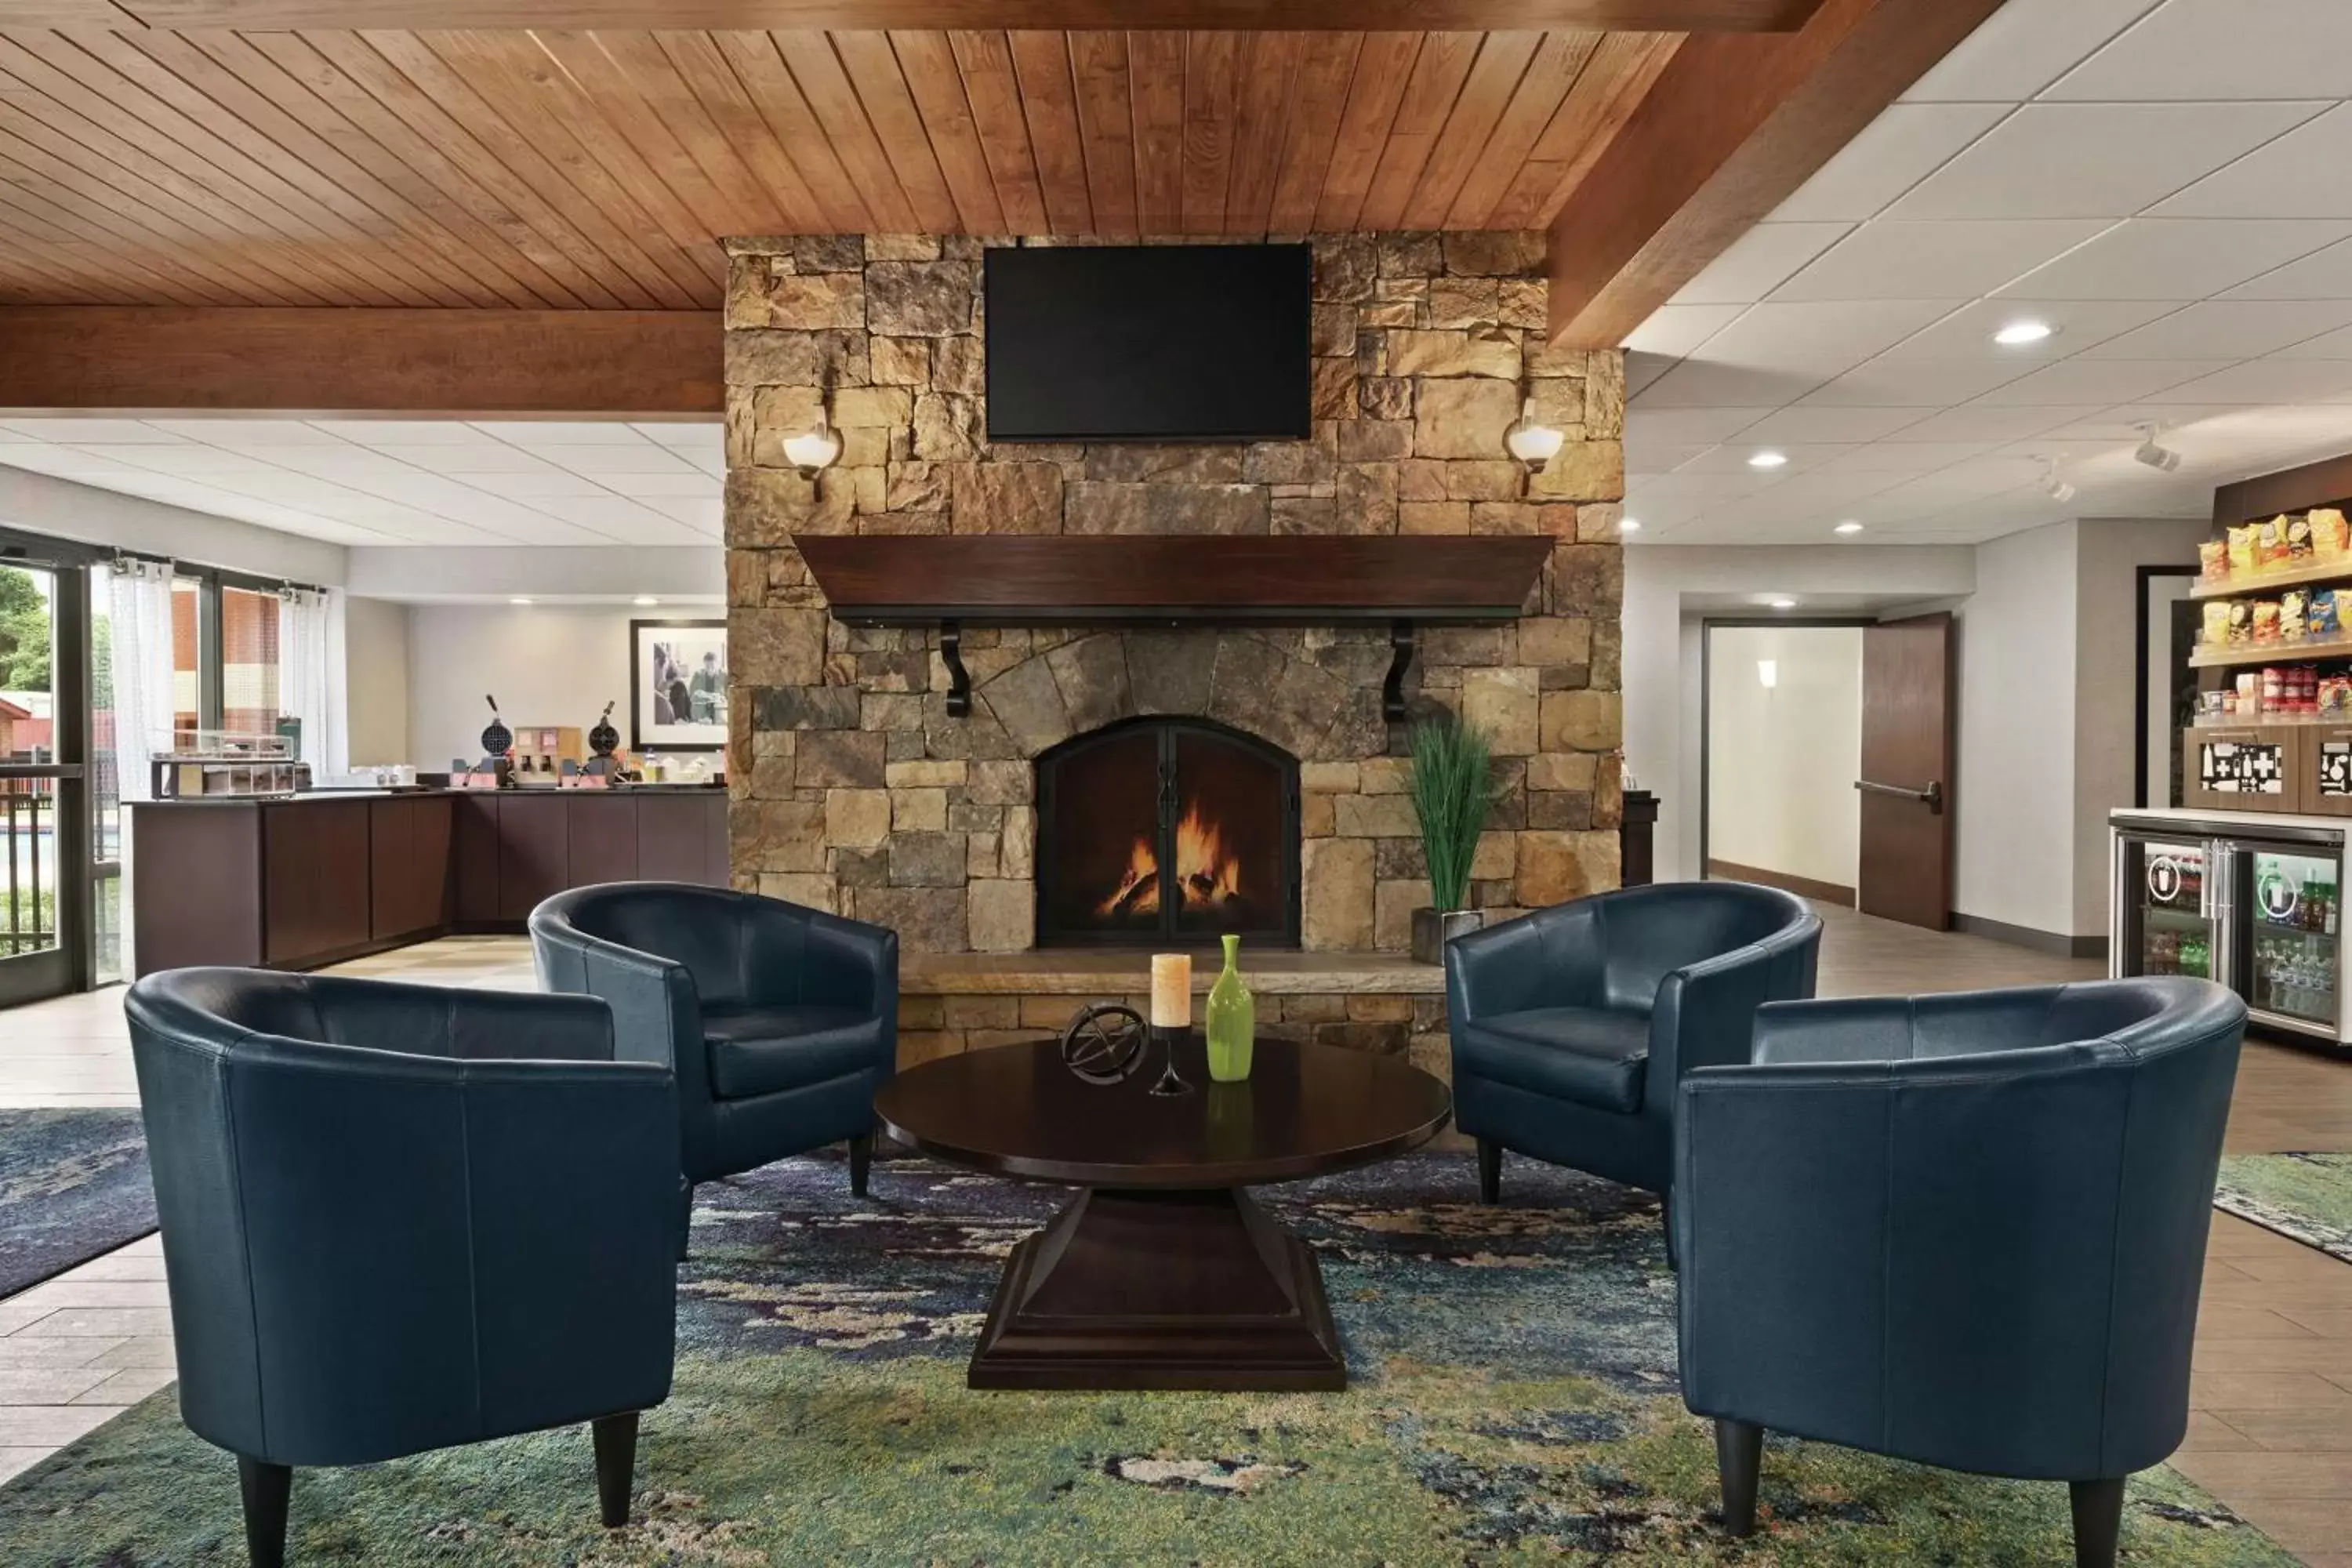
(73, 1184)
(2307, 1198)
(1514, 1402)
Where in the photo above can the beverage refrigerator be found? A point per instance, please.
(2246, 899)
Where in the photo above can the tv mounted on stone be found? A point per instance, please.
(1180, 342)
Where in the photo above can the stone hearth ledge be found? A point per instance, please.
(1068, 972)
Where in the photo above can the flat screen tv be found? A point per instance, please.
(1177, 342)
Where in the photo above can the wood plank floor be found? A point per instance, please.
(2271, 1434)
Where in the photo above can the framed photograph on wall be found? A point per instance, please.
(677, 686)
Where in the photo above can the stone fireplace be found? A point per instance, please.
(1167, 831)
(856, 789)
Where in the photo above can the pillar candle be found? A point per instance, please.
(1171, 990)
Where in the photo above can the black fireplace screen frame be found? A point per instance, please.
(1168, 730)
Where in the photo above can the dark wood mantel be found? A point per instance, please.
(879, 580)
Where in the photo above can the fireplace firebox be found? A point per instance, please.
(1156, 831)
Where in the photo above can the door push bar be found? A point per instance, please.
(1932, 797)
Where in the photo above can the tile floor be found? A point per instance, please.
(2271, 1434)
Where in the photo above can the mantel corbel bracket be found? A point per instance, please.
(958, 678)
(1403, 643)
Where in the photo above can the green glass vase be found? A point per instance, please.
(1232, 1020)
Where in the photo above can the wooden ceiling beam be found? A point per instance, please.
(1236, 16)
(142, 360)
(1732, 127)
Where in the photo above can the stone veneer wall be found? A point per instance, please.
(853, 789)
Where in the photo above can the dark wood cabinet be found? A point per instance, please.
(297, 883)
(314, 880)
(409, 865)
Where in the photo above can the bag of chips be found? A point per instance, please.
(2242, 621)
(2323, 617)
(2213, 559)
(2217, 622)
(2330, 537)
(2270, 544)
(2243, 552)
(2298, 541)
(2266, 620)
(2291, 610)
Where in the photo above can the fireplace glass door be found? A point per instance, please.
(1167, 830)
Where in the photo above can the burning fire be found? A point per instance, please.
(1205, 872)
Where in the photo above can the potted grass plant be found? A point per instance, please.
(1453, 791)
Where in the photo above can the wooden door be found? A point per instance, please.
(1906, 771)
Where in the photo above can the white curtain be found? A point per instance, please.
(312, 678)
(138, 663)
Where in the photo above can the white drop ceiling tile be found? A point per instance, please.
(706, 517)
(682, 433)
(2101, 381)
(2265, 381)
(538, 433)
(1909, 456)
(2120, 426)
(109, 432)
(2229, 329)
(1903, 146)
(547, 483)
(2095, 160)
(1977, 421)
(1803, 425)
(2305, 173)
(1642, 369)
(1968, 333)
(1826, 336)
(2178, 259)
(478, 457)
(1759, 261)
(2023, 49)
(642, 486)
(1692, 384)
(233, 432)
(1923, 385)
(1674, 332)
(2195, 50)
(356, 467)
(1733, 460)
(654, 529)
(2330, 345)
(402, 432)
(643, 458)
(1893, 260)
(187, 461)
(64, 462)
(2324, 275)
(1690, 427)
(1650, 458)
(610, 514)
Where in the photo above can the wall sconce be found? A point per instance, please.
(1767, 673)
(1531, 441)
(813, 450)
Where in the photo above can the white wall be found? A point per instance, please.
(547, 664)
(1785, 756)
(376, 653)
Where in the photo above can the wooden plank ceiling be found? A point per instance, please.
(595, 169)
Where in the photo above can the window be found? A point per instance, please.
(249, 661)
(188, 640)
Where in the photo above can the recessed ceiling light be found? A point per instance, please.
(1768, 460)
(518, 601)
(644, 599)
(1629, 525)
(2017, 335)
(1847, 528)
(1782, 603)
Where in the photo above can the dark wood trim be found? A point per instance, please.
(134, 360)
(2327, 483)
(2055, 943)
(1734, 125)
(1062, 580)
(1788, 882)
(1223, 16)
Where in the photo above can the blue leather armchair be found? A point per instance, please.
(780, 1022)
(1966, 1231)
(1572, 1025)
(397, 1218)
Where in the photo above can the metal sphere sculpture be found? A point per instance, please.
(1104, 1044)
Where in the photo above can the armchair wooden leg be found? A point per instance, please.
(861, 1161)
(616, 1439)
(2098, 1522)
(1738, 1461)
(1490, 1171)
(266, 1489)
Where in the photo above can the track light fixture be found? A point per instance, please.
(2155, 454)
(2055, 484)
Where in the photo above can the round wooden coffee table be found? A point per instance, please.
(1163, 1273)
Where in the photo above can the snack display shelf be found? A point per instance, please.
(2280, 652)
(2338, 569)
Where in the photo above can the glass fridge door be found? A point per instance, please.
(2169, 923)
(2291, 938)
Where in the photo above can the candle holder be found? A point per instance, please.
(1172, 1083)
